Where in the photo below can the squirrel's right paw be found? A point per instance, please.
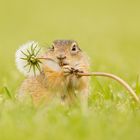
(67, 70)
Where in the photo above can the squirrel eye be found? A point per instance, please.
(74, 48)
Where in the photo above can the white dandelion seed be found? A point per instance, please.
(27, 59)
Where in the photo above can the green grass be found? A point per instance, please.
(108, 31)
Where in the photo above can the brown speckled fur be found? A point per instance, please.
(49, 84)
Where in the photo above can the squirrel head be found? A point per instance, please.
(65, 52)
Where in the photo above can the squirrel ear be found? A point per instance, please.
(51, 48)
(79, 49)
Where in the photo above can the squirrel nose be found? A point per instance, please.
(61, 57)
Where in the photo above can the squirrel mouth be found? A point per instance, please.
(61, 63)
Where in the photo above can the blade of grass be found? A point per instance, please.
(7, 92)
(137, 85)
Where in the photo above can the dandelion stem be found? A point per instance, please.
(116, 78)
(45, 58)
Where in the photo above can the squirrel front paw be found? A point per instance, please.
(68, 70)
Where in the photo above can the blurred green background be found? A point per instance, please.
(107, 30)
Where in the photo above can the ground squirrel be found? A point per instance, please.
(64, 83)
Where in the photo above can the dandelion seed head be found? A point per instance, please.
(26, 59)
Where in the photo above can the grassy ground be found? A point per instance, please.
(109, 32)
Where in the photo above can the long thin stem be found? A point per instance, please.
(116, 78)
(109, 75)
(45, 58)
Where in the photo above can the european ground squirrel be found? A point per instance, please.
(68, 81)
(64, 84)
